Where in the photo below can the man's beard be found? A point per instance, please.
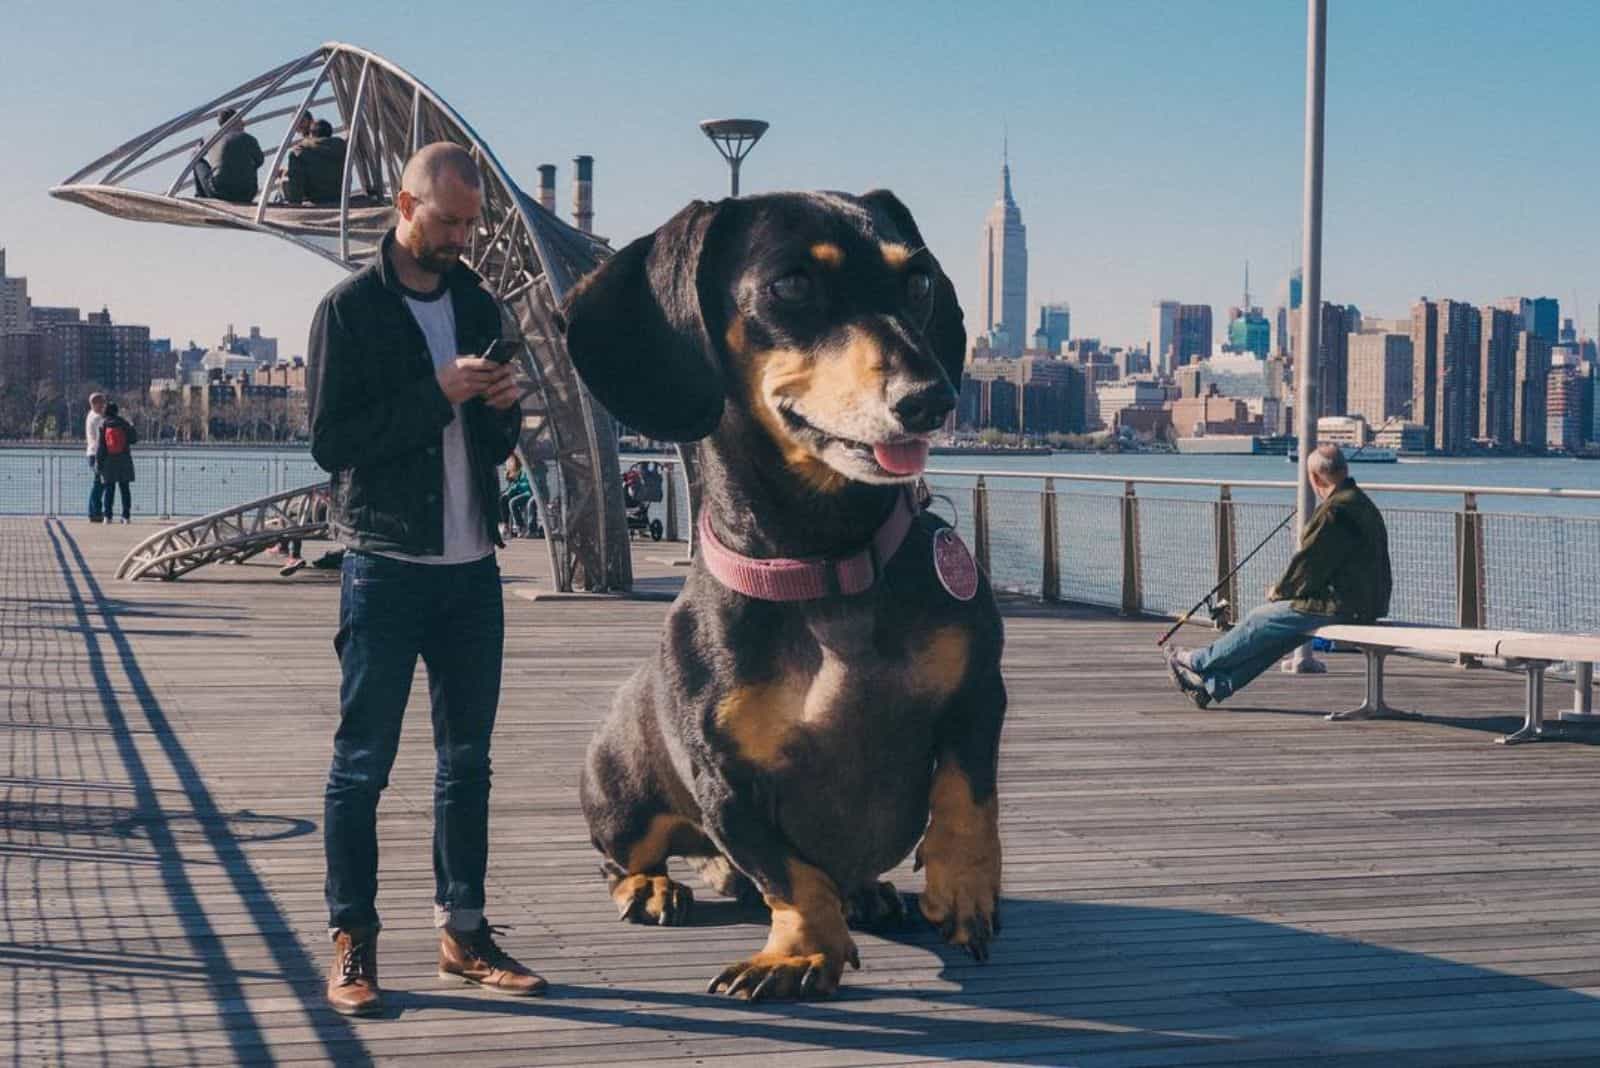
(439, 260)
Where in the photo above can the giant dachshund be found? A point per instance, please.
(827, 690)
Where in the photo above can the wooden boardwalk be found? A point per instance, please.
(1246, 885)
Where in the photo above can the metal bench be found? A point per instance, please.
(1533, 654)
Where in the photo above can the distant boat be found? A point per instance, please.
(1232, 445)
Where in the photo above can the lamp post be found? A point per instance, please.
(1305, 418)
(734, 139)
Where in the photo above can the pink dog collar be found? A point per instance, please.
(809, 579)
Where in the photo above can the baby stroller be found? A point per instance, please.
(643, 484)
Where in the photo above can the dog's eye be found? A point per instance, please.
(792, 288)
(919, 286)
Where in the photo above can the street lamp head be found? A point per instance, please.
(734, 138)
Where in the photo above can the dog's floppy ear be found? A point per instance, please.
(946, 330)
(637, 333)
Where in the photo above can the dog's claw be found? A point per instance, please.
(652, 899)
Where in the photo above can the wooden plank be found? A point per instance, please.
(1245, 885)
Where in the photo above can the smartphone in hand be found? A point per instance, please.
(502, 351)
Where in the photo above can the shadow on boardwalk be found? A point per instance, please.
(118, 976)
(1229, 887)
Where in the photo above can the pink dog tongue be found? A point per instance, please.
(907, 457)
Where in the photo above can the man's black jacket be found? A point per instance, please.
(378, 414)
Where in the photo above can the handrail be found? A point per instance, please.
(1216, 483)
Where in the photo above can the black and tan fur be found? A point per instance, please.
(796, 750)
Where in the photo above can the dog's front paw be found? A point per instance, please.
(771, 974)
(962, 897)
(652, 899)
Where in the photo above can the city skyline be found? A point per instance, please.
(1130, 166)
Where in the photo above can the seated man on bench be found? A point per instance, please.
(1340, 575)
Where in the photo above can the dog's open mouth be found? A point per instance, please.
(901, 457)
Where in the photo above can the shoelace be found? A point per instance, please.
(358, 962)
(482, 945)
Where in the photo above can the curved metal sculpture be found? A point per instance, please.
(229, 536)
(527, 257)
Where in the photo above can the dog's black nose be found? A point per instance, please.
(924, 409)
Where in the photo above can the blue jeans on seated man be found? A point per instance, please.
(1269, 632)
(391, 612)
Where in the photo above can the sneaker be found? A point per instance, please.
(472, 957)
(353, 975)
(1191, 684)
(291, 567)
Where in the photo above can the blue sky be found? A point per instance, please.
(1155, 146)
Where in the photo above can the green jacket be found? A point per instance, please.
(1342, 567)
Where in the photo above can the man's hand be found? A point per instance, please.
(1272, 593)
(502, 391)
(466, 377)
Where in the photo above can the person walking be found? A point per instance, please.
(114, 462)
(412, 428)
(91, 438)
(1340, 575)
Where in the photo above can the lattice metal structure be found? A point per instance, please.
(527, 257)
(229, 536)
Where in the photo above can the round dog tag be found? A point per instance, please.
(957, 571)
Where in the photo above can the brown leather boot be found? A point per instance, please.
(472, 957)
(353, 975)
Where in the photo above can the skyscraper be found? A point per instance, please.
(13, 300)
(1191, 334)
(1424, 363)
(1333, 362)
(1248, 329)
(1530, 383)
(1544, 317)
(1497, 412)
(1380, 376)
(1003, 269)
(1055, 327)
(1163, 326)
(1456, 381)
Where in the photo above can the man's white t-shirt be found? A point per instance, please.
(91, 431)
(466, 537)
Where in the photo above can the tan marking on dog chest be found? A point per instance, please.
(761, 718)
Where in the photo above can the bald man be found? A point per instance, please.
(1340, 575)
(411, 423)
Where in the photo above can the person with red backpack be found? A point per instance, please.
(113, 461)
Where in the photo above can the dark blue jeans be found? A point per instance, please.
(1269, 632)
(390, 613)
(97, 492)
(109, 499)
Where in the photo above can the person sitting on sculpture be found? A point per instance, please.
(315, 173)
(232, 164)
(1340, 575)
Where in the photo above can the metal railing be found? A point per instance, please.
(1157, 544)
(168, 482)
(1148, 544)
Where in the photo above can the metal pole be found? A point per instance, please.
(1311, 273)
(733, 167)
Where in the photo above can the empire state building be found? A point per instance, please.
(1003, 271)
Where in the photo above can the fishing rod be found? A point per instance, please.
(1206, 601)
